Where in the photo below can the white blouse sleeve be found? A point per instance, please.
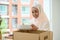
(45, 26)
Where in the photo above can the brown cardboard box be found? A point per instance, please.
(33, 35)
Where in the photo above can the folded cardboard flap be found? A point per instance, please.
(31, 31)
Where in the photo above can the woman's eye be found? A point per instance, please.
(32, 12)
(36, 11)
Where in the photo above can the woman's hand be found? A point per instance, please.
(34, 27)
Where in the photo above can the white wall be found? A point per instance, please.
(56, 19)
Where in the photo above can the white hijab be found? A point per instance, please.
(42, 21)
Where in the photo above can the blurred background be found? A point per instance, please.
(14, 12)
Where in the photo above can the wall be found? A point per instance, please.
(56, 19)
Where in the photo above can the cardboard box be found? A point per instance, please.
(33, 35)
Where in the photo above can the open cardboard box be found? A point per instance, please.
(33, 35)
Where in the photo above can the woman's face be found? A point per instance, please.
(35, 12)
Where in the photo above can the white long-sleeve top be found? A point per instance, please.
(42, 23)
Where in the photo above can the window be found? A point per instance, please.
(25, 10)
(3, 9)
(14, 10)
(14, 1)
(36, 2)
(25, 1)
(6, 22)
(14, 23)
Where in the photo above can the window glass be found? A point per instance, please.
(7, 22)
(14, 1)
(3, 9)
(4, 23)
(14, 23)
(25, 10)
(14, 10)
(25, 1)
(26, 21)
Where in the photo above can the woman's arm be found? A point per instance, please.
(34, 27)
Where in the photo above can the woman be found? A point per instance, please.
(39, 21)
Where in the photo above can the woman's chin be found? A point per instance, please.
(35, 17)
